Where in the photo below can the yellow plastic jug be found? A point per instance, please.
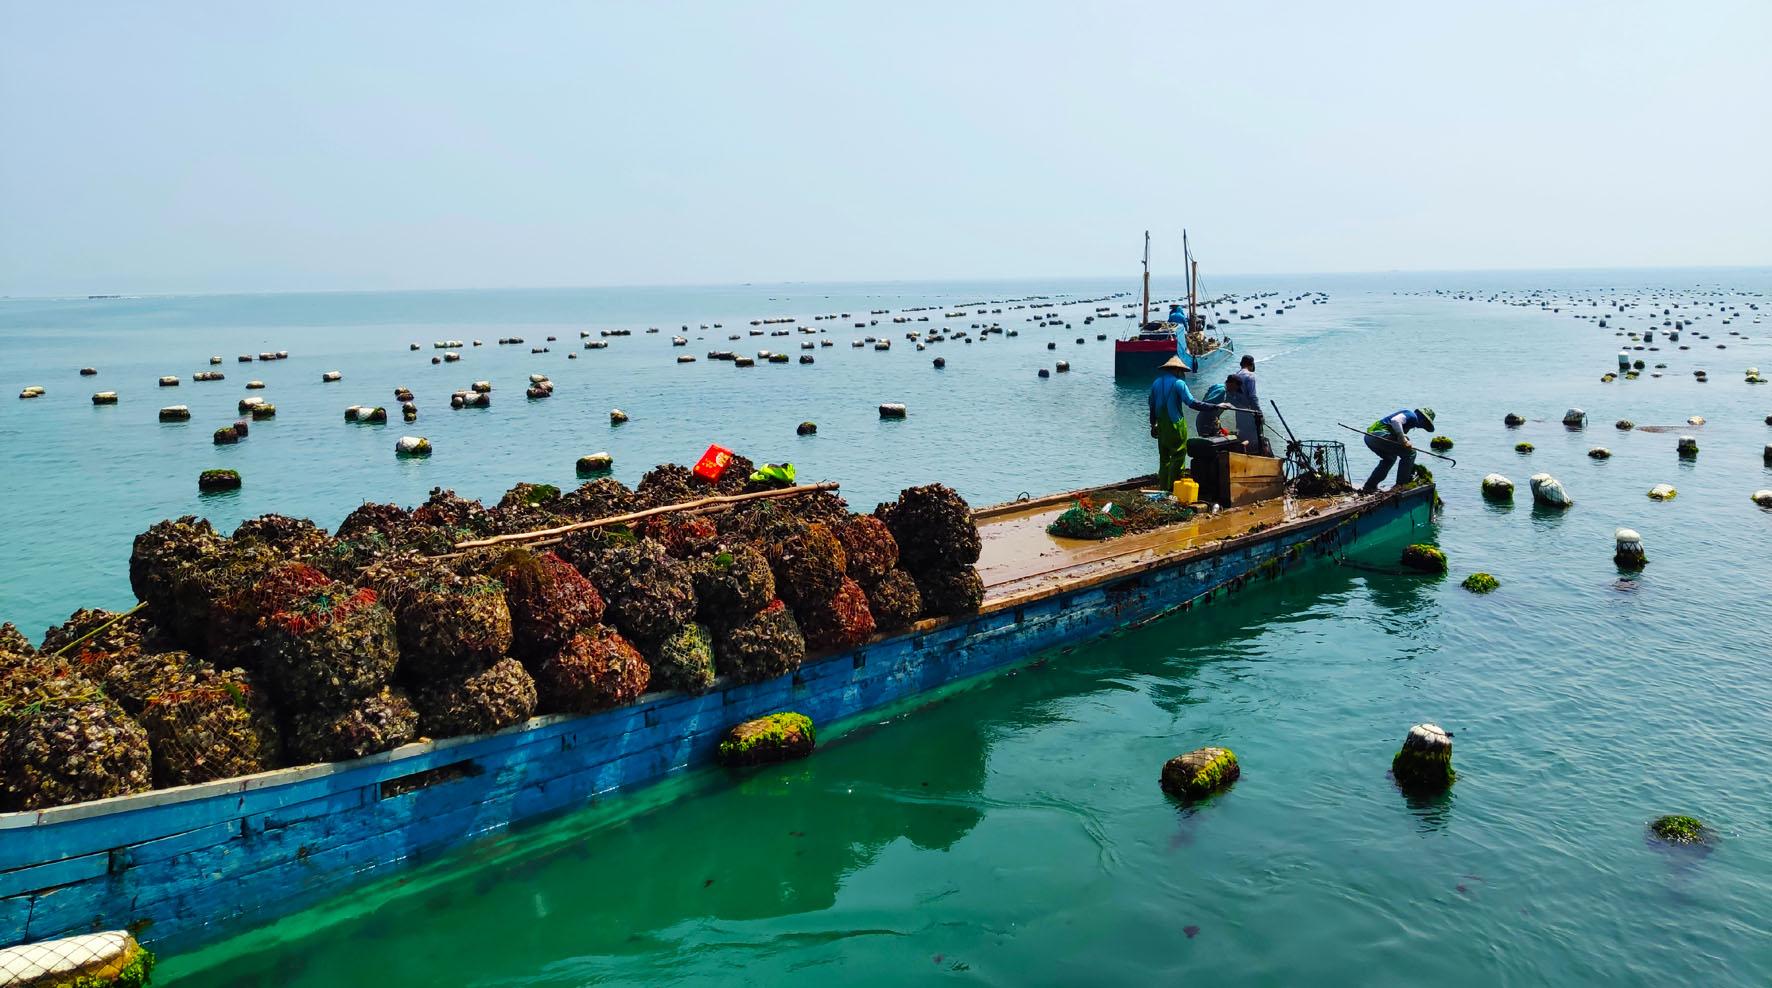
(1187, 491)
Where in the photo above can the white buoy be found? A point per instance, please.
(169, 381)
(36, 391)
(412, 446)
(1623, 359)
(1662, 492)
(1548, 491)
(617, 416)
(1763, 498)
(332, 376)
(105, 398)
(175, 413)
(1695, 420)
(482, 387)
(1629, 551)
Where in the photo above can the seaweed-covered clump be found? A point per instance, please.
(1424, 558)
(868, 546)
(381, 721)
(166, 568)
(895, 602)
(530, 495)
(451, 625)
(809, 567)
(843, 621)
(1677, 829)
(1200, 773)
(774, 738)
(597, 668)
(549, 600)
(216, 727)
(950, 591)
(766, 645)
(604, 497)
(649, 594)
(934, 528)
(1424, 763)
(68, 745)
(683, 537)
(732, 584)
(326, 644)
(668, 483)
(685, 660)
(1480, 583)
(499, 696)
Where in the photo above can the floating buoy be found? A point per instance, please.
(436, 360)
(1548, 491)
(940, 362)
(1199, 773)
(412, 446)
(1045, 373)
(595, 463)
(98, 960)
(1575, 418)
(105, 398)
(255, 385)
(175, 413)
(1062, 367)
(227, 435)
(1523, 448)
(33, 391)
(169, 381)
(215, 360)
(1675, 829)
(893, 410)
(265, 410)
(774, 738)
(402, 394)
(1441, 443)
(617, 416)
(1424, 763)
(1662, 492)
(1513, 420)
(88, 371)
(1623, 360)
(482, 387)
(805, 358)
(332, 376)
(1688, 447)
(1423, 558)
(1480, 583)
(1624, 425)
(413, 346)
(211, 481)
(409, 411)
(1762, 498)
(1599, 453)
(806, 429)
(1498, 488)
(1695, 420)
(1629, 552)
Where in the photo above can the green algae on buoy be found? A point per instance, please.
(1480, 583)
(1629, 552)
(1523, 448)
(1498, 488)
(1423, 558)
(1200, 772)
(211, 481)
(1424, 763)
(806, 429)
(1688, 447)
(1762, 498)
(1440, 443)
(89, 960)
(407, 446)
(595, 463)
(1677, 829)
(1624, 425)
(1662, 492)
(1599, 453)
(772, 738)
(1575, 418)
(1513, 420)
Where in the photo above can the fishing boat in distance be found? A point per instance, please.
(1137, 357)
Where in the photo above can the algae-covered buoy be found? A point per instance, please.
(1624, 425)
(263, 410)
(1688, 448)
(1523, 448)
(1424, 763)
(227, 435)
(1498, 488)
(893, 410)
(806, 429)
(175, 413)
(1599, 453)
(1441, 443)
(1575, 418)
(1200, 772)
(32, 391)
(88, 371)
(1628, 550)
(1513, 420)
(1676, 829)
(105, 398)
(169, 381)
(1548, 491)
(1062, 366)
(1423, 558)
(774, 738)
(90, 960)
(1480, 583)
(210, 481)
(595, 463)
(617, 416)
(1763, 498)
(1662, 492)
(412, 446)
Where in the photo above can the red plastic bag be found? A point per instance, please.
(713, 463)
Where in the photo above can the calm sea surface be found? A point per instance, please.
(1013, 832)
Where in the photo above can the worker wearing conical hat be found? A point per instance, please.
(1389, 438)
(1170, 398)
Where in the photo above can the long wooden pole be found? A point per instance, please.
(631, 516)
(1145, 315)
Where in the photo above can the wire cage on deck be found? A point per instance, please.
(1318, 456)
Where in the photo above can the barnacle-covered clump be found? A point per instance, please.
(132, 679)
(649, 594)
(934, 528)
(843, 621)
(604, 497)
(947, 592)
(68, 745)
(894, 601)
(215, 726)
(817, 506)
(167, 565)
(451, 625)
(767, 644)
(249, 582)
(550, 601)
(732, 583)
(13, 641)
(667, 483)
(496, 697)
(101, 636)
(451, 518)
(683, 537)
(382, 720)
(809, 567)
(868, 547)
(530, 495)
(295, 539)
(326, 644)
(1200, 773)
(737, 477)
(597, 668)
(685, 660)
(774, 738)
(369, 534)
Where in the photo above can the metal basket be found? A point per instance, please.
(1316, 456)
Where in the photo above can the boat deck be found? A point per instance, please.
(1021, 559)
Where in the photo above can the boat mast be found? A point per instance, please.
(1191, 270)
(1145, 315)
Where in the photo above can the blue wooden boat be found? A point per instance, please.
(1138, 356)
(182, 866)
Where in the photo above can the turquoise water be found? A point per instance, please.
(1014, 832)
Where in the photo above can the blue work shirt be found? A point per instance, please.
(1248, 379)
(1168, 394)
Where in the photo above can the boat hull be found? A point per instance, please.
(187, 865)
(1138, 360)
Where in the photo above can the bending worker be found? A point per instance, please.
(1169, 399)
(1389, 438)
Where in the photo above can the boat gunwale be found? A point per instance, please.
(538, 727)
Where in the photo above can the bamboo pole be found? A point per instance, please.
(632, 516)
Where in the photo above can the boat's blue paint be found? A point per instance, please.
(182, 866)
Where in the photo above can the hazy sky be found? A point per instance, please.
(160, 147)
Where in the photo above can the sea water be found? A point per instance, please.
(1013, 832)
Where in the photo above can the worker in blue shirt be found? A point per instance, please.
(1389, 438)
(1169, 399)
